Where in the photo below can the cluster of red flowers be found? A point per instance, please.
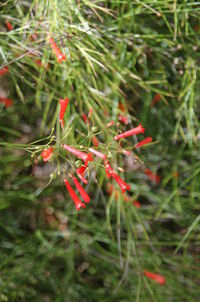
(88, 157)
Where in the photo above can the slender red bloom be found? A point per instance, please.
(4, 70)
(137, 204)
(78, 153)
(158, 278)
(123, 119)
(137, 130)
(59, 55)
(47, 153)
(6, 102)
(123, 185)
(156, 99)
(63, 107)
(110, 124)
(72, 193)
(9, 25)
(144, 142)
(97, 153)
(82, 192)
(84, 118)
(152, 176)
(95, 141)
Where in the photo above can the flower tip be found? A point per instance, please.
(80, 205)
(142, 129)
(61, 57)
(89, 157)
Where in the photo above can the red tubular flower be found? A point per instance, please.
(137, 204)
(47, 153)
(72, 193)
(95, 141)
(3, 70)
(144, 142)
(158, 278)
(156, 99)
(152, 176)
(78, 153)
(84, 118)
(137, 130)
(59, 55)
(63, 107)
(82, 192)
(9, 25)
(97, 153)
(124, 186)
(123, 119)
(6, 102)
(110, 124)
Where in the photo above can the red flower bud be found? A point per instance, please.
(6, 102)
(137, 204)
(47, 153)
(158, 278)
(156, 99)
(3, 70)
(144, 142)
(9, 25)
(137, 130)
(72, 193)
(82, 192)
(84, 118)
(95, 141)
(63, 107)
(59, 55)
(78, 153)
(124, 186)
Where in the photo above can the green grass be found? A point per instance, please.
(120, 51)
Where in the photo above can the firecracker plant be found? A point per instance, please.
(99, 150)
